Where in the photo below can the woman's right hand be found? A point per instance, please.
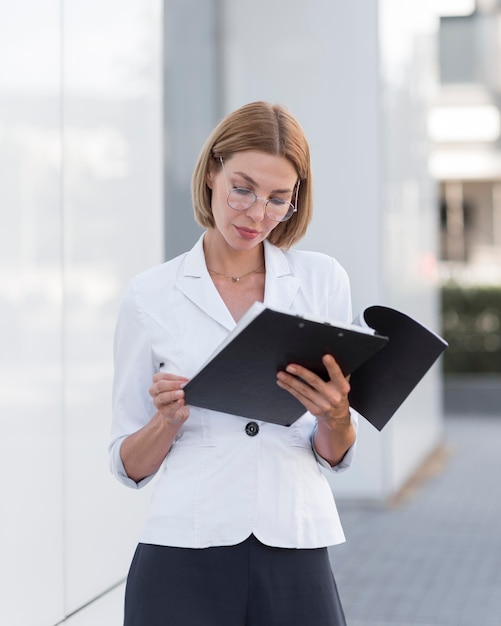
(145, 450)
(168, 397)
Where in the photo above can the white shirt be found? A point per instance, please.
(217, 484)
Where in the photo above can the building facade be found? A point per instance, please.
(465, 127)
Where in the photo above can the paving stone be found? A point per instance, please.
(435, 558)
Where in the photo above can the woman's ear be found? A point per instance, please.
(209, 179)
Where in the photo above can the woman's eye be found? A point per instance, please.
(277, 201)
(242, 192)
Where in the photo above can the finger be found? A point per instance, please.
(322, 406)
(183, 412)
(168, 376)
(336, 380)
(299, 387)
(162, 385)
(165, 397)
(176, 411)
(303, 375)
(311, 388)
(333, 369)
(302, 392)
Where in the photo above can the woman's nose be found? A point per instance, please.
(258, 210)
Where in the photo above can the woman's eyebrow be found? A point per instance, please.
(251, 181)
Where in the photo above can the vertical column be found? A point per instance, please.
(358, 76)
(496, 216)
(191, 107)
(455, 242)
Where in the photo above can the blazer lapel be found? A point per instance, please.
(281, 285)
(196, 284)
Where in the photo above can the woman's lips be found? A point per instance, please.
(247, 233)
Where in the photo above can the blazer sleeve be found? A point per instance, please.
(134, 366)
(347, 460)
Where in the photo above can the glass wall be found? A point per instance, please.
(81, 204)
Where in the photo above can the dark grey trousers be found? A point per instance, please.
(249, 584)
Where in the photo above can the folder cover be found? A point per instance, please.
(241, 377)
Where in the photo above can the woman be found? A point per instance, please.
(240, 518)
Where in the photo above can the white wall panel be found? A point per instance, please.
(113, 228)
(80, 214)
(31, 520)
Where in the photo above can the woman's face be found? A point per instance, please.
(268, 176)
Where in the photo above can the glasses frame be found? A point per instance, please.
(256, 198)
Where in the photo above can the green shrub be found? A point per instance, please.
(471, 323)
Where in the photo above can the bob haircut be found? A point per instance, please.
(266, 128)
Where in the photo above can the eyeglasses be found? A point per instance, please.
(275, 209)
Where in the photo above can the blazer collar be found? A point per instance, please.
(195, 282)
(281, 285)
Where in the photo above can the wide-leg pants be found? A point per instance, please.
(249, 584)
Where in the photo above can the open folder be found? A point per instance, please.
(385, 351)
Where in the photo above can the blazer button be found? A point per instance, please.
(252, 429)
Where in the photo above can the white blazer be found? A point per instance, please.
(218, 484)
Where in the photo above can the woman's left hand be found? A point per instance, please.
(327, 400)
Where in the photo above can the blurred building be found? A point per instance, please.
(465, 126)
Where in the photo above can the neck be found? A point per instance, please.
(230, 262)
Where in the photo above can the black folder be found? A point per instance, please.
(386, 352)
(241, 377)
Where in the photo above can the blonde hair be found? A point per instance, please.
(267, 128)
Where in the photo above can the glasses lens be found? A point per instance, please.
(241, 199)
(279, 210)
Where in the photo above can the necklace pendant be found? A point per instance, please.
(235, 279)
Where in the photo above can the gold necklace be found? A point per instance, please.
(237, 279)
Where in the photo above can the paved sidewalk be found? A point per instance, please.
(434, 559)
